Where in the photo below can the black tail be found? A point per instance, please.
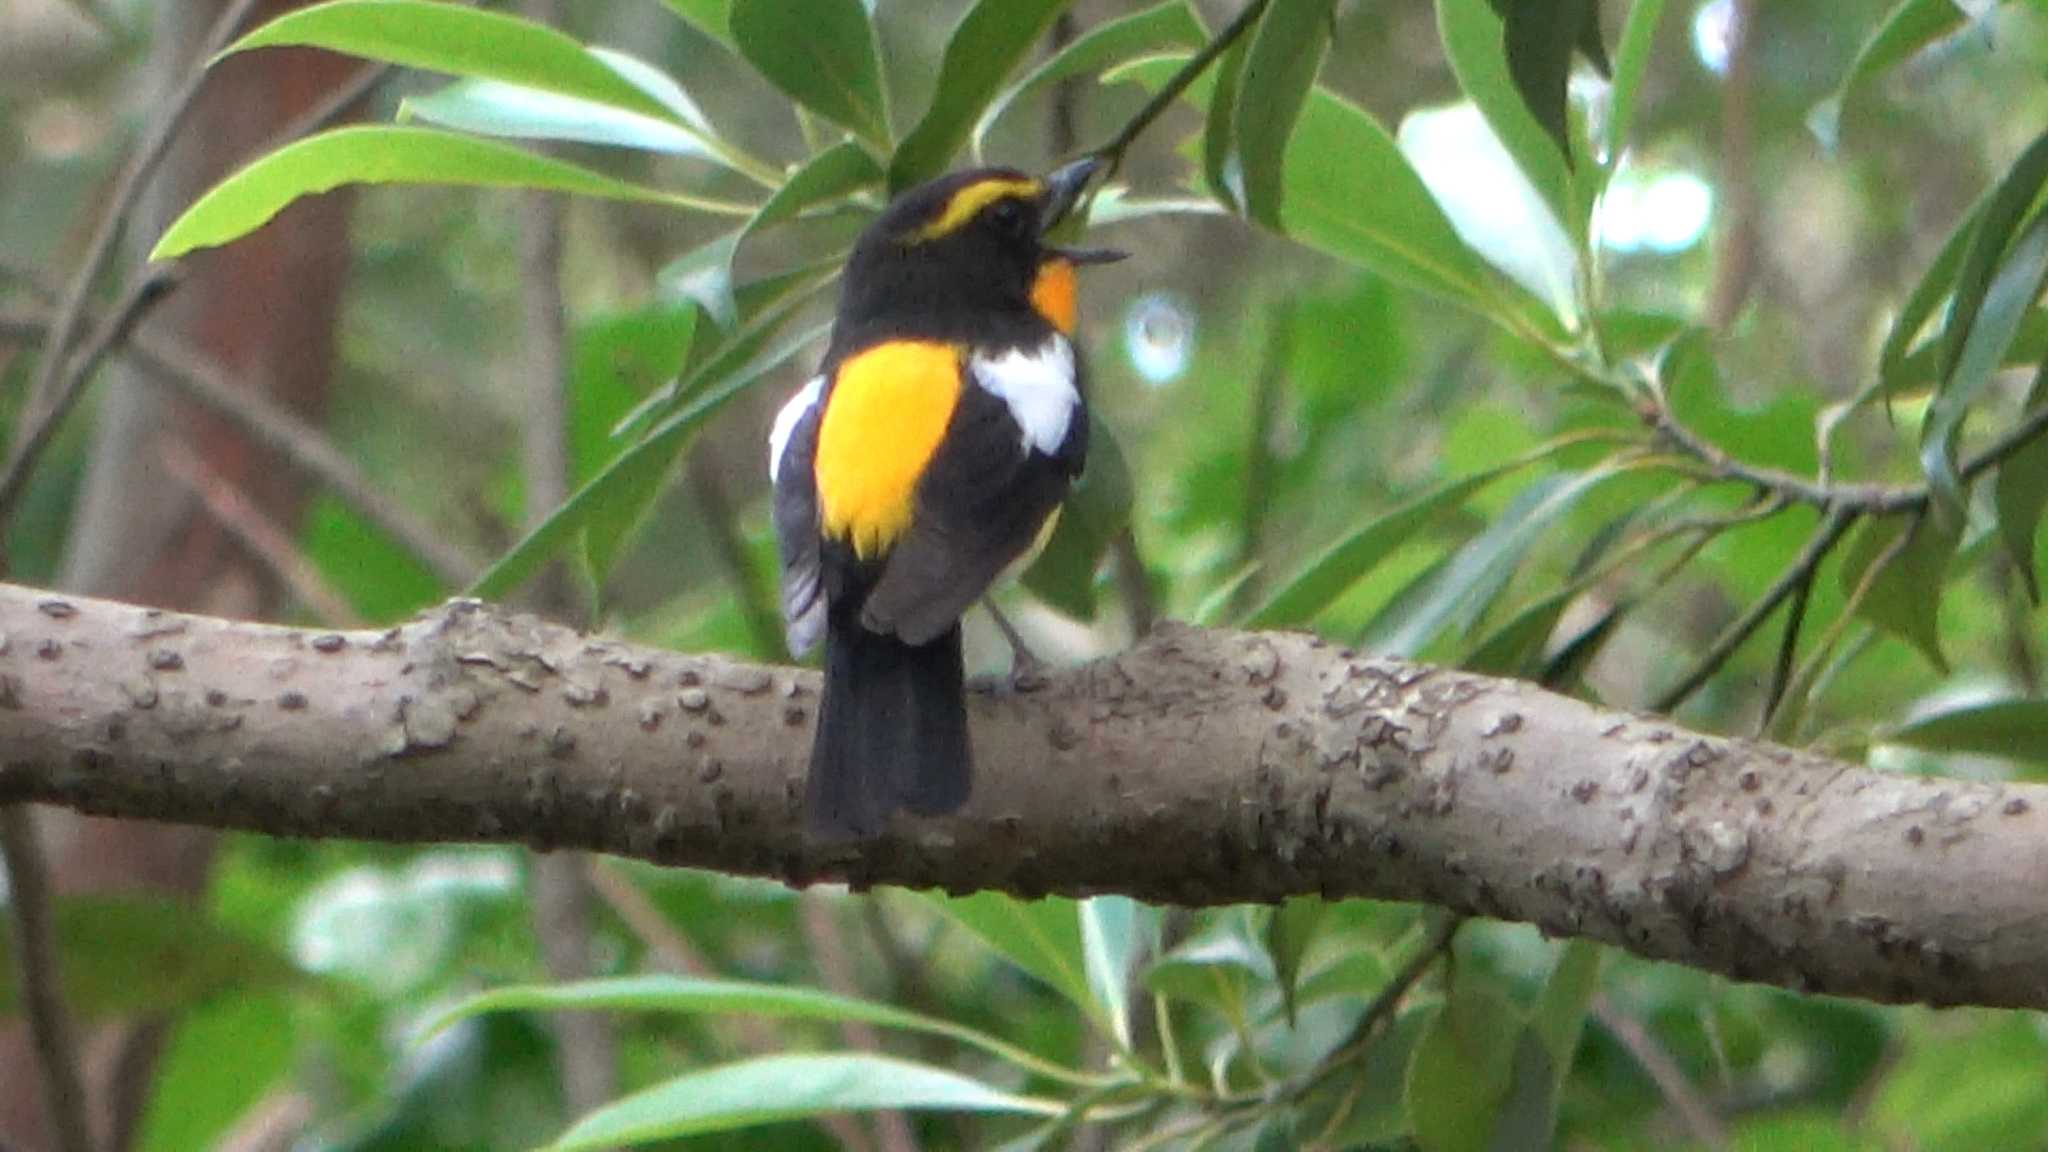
(892, 730)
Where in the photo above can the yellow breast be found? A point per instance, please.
(885, 415)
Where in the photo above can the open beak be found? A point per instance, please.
(1063, 191)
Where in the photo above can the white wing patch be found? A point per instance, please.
(785, 423)
(1038, 385)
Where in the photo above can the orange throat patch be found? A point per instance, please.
(1054, 294)
(887, 410)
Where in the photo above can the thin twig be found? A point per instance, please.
(1380, 1011)
(329, 110)
(42, 997)
(1788, 652)
(1113, 151)
(1832, 526)
(300, 444)
(1664, 1072)
(149, 153)
(234, 511)
(46, 412)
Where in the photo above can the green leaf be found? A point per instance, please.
(711, 17)
(458, 40)
(1458, 596)
(706, 274)
(772, 1089)
(1638, 40)
(1222, 168)
(1217, 969)
(105, 942)
(1461, 1070)
(1492, 205)
(1041, 937)
(1910, 26)
(615, 361)
(1905, 597)
(602, 513)
(1560, 1013)
(981, 52)
(494, 108)
(2009, 729)
(2021, 492)
(1166, 25)
(1114, 930)
(1279, 70)
(1994, 325)
(1928, 293)
(1289, 932)
(248, 199)
(1540, 36)
(1963, 1090)
(1372, 1099)
(823, 54)
(1372, 210)
(1357, 554)
(1475, 43)
(696, 996)
(381, 579)
(1516, 646)
(1096, 511)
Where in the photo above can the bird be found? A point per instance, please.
(923, 463)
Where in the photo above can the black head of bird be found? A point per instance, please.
(953, 254)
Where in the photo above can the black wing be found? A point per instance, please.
(792, 450)
(980, 505)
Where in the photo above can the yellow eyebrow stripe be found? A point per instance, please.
(969, 201)
(884, 417)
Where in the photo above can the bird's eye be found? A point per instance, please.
(1010, 216)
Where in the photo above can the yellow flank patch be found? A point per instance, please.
(971, 199)
(887, 410)
(1053, 294)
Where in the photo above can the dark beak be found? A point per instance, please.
(1063, 190)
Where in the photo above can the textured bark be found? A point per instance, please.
(1198, 768)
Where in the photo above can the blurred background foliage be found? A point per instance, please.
(1508, 343)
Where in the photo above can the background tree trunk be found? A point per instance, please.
(265, 308)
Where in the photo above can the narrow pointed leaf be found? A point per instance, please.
(1114, 930)
(249, 199)
(1905, 596)
(1541, 36)
(2021, 492)
(990, 41)
(1910, 26)
(1096, 511)
(1279, 69)
(1372, 210)
(1289, 933)
(1356, 555)
(458, 40)
(2011, 729)
(1475, 43)
(822, 53)
(1167, 25)
(494, 108)
(1041, 937)
(711, 17)
(1631, 62)
(1927, 295)
(614, 501)
(1995, 324)
(1458, 596)
(774, 1089)
(1222, 167)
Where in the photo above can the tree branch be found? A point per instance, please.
(1197, 768)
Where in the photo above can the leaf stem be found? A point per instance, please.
(1113, 150)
